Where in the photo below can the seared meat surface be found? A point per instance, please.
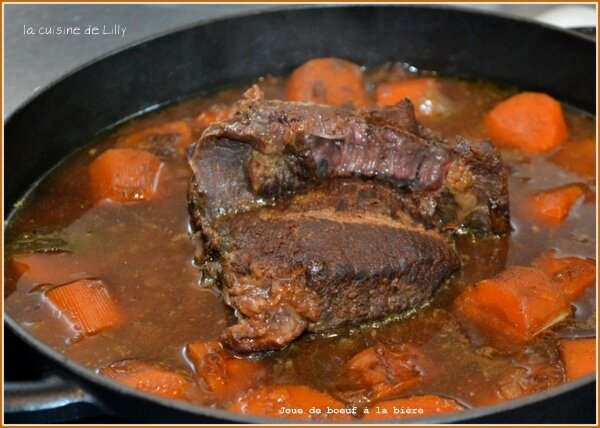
(341, 252)
(270, 149)
(311, 217)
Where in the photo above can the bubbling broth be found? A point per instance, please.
(150, 314)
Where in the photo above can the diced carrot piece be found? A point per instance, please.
(388, 369)
(574, 274)
(214, 113)
(225, 375)
(553, 206)
(531, 121)
(415, 406)
(518, 303)
(86, 305)
(52, 268)
(151, 378)
(18, 266)
(273, 400)
(578, 157)
(330, 81)
(388, 94)
(177, 134)
(125, 175)
(578, 357)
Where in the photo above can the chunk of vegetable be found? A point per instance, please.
(152, 378)
(531, 121)
(125, 175)
(330, 81)
(177, 134)
(553, 206)
(518, 303)
(578, 357)
(388, 369)
(273, 401)
(578, 157)
(388, 94)
(86, 305)
(223, 374)
(415, 406)
(53, 268)
(574, 274)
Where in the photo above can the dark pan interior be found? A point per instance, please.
(220, 53)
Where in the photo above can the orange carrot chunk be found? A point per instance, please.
(553, 206)
(330, 81)
(151, 378)
(177, 134)
(86, 305)
(578, 357)
(388, 94)
(531, 121)
(517, 304)
(574, 274)
(388, 369)
(125, 175)
(290, 401)
(415, 406)
(578, 157)
(52, 268)
(223, 374)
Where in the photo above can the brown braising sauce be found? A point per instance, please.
(143, 252)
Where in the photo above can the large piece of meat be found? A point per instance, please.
(311, 217)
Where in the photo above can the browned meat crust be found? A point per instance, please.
(270, 149)
(342, 252)
(311, 217)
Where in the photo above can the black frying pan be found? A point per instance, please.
(236, 50)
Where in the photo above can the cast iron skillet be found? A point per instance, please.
(236, 50)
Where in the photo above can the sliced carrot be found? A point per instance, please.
(518, 303)
(52, 268)
(125, 175)
(18, 267)
(177, 134)
(553, 206)
(578, 357)
(86, 305)
(578, 157)
(214, 113)
(151, 378)
(388, 369)
(531, 121)
(330, 81)
(388, 94)
(225, 375)
(290, 401)
(574, 274)
(415, 406)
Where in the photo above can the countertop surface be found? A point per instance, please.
(32, 61)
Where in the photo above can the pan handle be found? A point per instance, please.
(586, 31)
(50, 399)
